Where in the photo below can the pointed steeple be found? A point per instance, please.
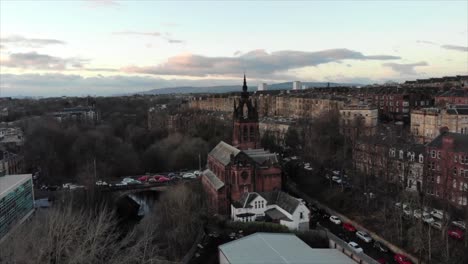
(244, 87)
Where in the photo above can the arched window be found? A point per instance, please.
(252, 133)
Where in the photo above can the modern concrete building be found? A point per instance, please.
(278, 249)
(297, 85)
(16, 201)
(262, 87)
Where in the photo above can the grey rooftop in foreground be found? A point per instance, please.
(277, 248)
(10, 182)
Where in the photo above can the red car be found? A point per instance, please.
(144, 178)
(382, 261)
(349, 227)
(162, 179)
(456, 233)
(401, 259)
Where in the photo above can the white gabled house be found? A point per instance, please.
(276, 206)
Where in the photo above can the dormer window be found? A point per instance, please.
(421, 158)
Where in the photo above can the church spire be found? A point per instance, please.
(244, 87)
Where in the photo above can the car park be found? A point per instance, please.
(335, 220)
(439, 214)
(417, 213)
(355, 247)
(343, 236)
(381, 247)
(364, 236)
(456, 233)
(336, 179)
(401, 259)
(131, 181)
(197, 173)
(349, 227)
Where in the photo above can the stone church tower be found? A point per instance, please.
(245, 118)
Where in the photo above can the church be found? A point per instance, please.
(242, 167)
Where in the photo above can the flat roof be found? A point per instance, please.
(263, 248)
(10, 182)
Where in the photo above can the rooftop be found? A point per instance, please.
(10, 182)
(278, 248)
(460, 141)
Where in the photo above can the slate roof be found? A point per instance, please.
(460, 141)
(276, 214)
(215, 181)
(454, 92)
(223, 152)
(268, 248)
(458, 110)
(281, 199)
(260, 156)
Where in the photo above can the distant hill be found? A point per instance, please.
(236, 88)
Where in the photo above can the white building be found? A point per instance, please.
(262, 87)
(297, 85)
(277, 207)
(278, 249)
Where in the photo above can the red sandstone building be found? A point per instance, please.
(242, 167)
(447, 168)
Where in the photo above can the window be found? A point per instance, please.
(401, 154)
(433, 154)
(421, 158)
(455, 171)
(454, 184)
(438, 154)
(301, 215)
(246, 189)
(431, 165)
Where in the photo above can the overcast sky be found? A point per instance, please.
(54, 48)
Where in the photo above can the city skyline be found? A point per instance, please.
(128, 46)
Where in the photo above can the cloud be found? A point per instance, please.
(446, 46)
(256, 63)
(30, 42)
(405, 69)
(454, 47)
(426, 42)
(34, 60)
(166, 35)
(152, 34)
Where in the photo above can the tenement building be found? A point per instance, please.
(447, 168)
(356, 120)
(243, 166)
(426, 123)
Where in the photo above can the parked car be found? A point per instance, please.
(130, 181)
(428, 219)
(364, 236)
(349, 227)
(355, 247)
(343, 236)
(456, 233)
(460, 224)
(401, 259)
(336, 172)
(197, 173)
(144, 178)
(335, 220)
(378, 245)
(439, 214)
(437, 225)
(163, 179)
(382, 261)
(189, 175)
(417, 213)
(407, 211)
(101, 183)
(336, 179)
(172, 175)
(370, 194)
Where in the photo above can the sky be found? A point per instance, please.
(105, 47)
